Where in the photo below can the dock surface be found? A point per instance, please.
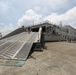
(58, 59)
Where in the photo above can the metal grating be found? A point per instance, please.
(17, 46)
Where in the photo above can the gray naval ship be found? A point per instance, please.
(21, 42)
(54, 32)
(51, 32)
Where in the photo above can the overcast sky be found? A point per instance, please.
(15, 13)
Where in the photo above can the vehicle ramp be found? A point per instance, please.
(18, 46)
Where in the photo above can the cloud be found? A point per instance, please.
(47, 6)
(5, 29)
(4, 7)
(37, 8)
(40, 6)
(36, 11)
(41, 3)
(68, 17)
(54, 4)
(29, 18)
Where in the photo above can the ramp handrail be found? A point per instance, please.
(39, 34)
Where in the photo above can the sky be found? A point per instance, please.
(16, 13)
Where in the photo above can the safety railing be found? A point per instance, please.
(39, 34)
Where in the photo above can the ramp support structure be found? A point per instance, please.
(40, 44)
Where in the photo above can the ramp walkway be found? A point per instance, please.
(18, 46)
